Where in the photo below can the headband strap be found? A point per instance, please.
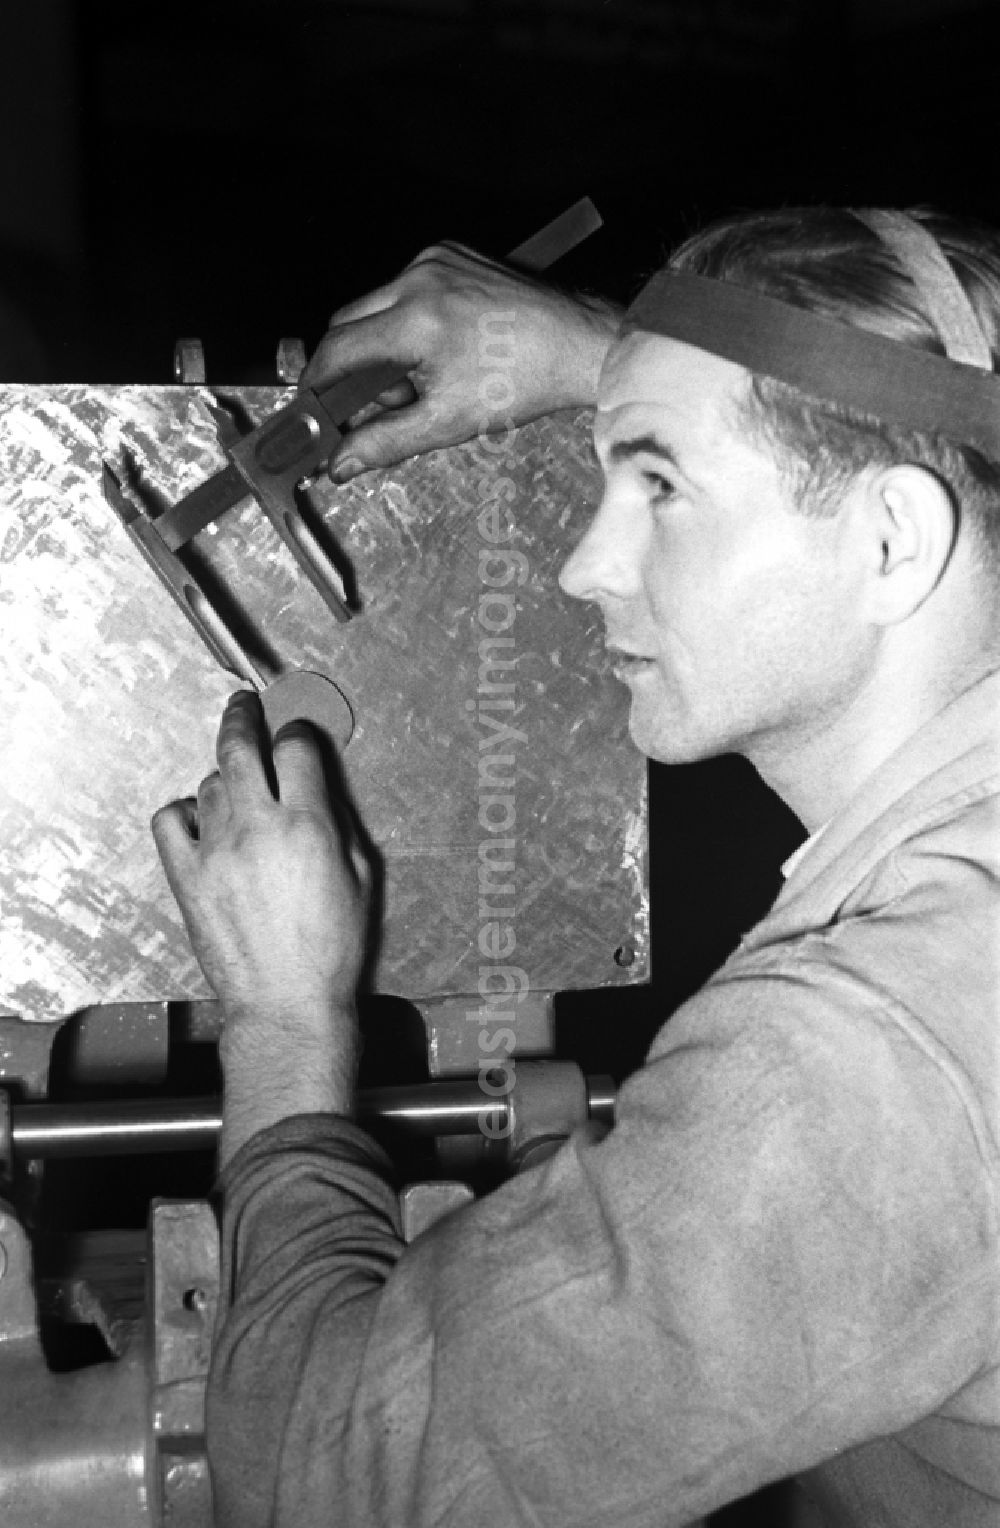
(823, 357)
(930, 270)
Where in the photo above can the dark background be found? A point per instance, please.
(236, 171)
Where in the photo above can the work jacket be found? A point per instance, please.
(783, 1259)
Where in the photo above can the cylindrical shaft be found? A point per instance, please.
(138, 1126)
(120, 1127)
(126, 1127)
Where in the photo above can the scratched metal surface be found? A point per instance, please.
(110, 703)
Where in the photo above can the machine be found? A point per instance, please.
(483, 743)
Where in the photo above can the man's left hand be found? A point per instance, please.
(274, 899)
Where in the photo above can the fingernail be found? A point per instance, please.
(298, 727)
(347, 467)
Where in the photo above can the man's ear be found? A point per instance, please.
(911, 523)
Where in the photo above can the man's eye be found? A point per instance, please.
(662, 487)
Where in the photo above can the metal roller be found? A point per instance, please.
(135, 1127)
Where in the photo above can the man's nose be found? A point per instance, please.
(607, 560)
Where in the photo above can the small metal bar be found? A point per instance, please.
(198, 509)
(557, 238)
(179, 584)
(220, 639)
(312, 555)
(278, 503)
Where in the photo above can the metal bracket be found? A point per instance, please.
(422, 1205)
(104, 1043)
(18, 1314)
(182, 1303)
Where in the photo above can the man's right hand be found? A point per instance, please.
(455, 320)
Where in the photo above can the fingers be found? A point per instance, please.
(373, 302)
(298, 768)
(457, 257)
(399, 395)
(427, 322)
(391, 437)
(239, 752)
(212, 809)
(175, 833)
(392, 295)
(351, 343)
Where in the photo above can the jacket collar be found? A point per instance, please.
(956, 752)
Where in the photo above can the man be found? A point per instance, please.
(784, 1258)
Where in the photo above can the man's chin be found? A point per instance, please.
(668, 742)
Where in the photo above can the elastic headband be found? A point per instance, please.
(930, 270)
(824, 358)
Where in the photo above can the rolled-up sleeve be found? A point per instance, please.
(788, 1244)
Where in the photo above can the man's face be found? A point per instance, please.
(732, 618)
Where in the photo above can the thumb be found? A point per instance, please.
(390, 438)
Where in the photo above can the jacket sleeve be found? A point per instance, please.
(786, 1246)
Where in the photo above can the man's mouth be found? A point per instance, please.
(628, 665)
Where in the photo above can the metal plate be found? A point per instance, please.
(110, 703)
